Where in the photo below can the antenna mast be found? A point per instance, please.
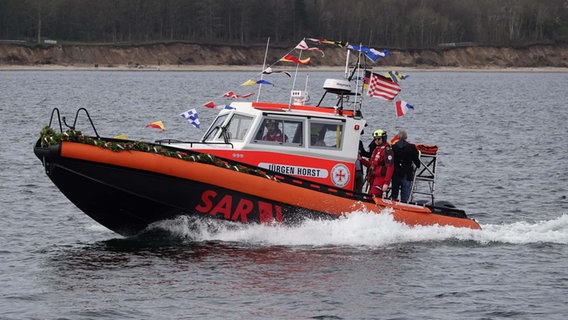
(263, 67)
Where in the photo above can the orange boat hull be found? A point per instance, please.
(138, 188)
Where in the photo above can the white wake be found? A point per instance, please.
(363, 229)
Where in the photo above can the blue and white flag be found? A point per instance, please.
(370, 53)
(192, 116)
(374, 54)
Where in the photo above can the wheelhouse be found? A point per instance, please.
(314, 143)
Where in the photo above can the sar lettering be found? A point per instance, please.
(238, 209)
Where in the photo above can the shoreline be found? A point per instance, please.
(185, 68)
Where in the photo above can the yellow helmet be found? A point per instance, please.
(380, 133)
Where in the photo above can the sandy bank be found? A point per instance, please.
(253, 68)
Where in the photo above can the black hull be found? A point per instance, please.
(126, 200)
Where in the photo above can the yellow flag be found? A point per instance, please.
(121, 136)
(249, 83)
(157, 125)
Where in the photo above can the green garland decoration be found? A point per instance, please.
(50, 137)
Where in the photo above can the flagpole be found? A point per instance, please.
(262, 71)
(357, 80)
(347, 64)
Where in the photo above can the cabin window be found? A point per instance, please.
(286, 132)
(214, 129)
(238, 127)
(326, 134)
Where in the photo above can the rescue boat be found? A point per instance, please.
(233, 172)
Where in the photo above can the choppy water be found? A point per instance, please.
(502, 139)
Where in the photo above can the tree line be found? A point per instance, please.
(382, 23)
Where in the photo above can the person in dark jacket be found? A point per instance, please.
(359, 174)
(406, 160)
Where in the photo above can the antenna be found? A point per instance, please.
(263, 66)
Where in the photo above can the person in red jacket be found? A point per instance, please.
(380, 164)
(273, 133)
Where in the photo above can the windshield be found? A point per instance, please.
(236, 129)
(239, 127)
(214, 129)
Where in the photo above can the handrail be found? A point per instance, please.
(58, 119)
(192, 143)
(55, 113)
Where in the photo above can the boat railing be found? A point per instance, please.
(425, 177)
(56, 114)
(192, 143)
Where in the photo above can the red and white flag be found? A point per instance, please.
(402, 108)
(304, 46)
(383, 88)
(233, 95)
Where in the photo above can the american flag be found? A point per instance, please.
(382, 87)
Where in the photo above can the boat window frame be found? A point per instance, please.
(214, 131)
(285, 122)
(324, 122)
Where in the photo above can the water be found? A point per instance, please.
(502, 147)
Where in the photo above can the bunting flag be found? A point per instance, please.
(372, 54)
(382, 87)
(304, 46)
(337, 43)
(265, 82)
(402, 108)
(375, 54)
(270, 71)
(291, 58)
(157, 125)
(233, 95)
(252, 83)
(121, 136)
(395, 76)
(192, 116)
(209, 104)
(394, 139)
(249, 83)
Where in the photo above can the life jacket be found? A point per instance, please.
(274, 136)
(384, 156)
